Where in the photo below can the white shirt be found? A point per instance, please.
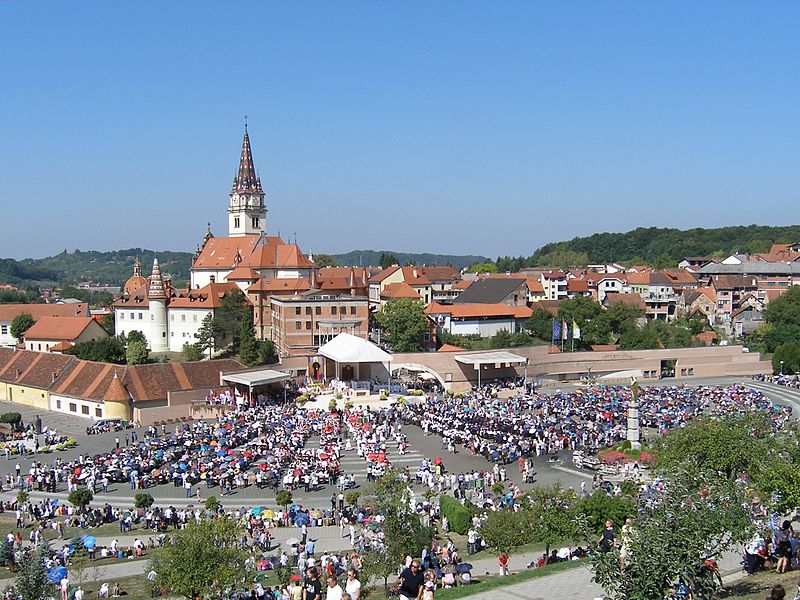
(352, 586)
(334, 593)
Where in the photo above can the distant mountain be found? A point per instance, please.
(373, 258)
(112, 268)
(658, 244)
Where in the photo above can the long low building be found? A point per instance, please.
(92, 390)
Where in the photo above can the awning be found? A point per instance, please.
(491, 358)
(347, 348)
(254, 378)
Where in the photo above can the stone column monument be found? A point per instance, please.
(633, 416)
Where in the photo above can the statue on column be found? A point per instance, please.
(633, 416)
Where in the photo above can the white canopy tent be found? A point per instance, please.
(255, 378)
(346, 348)
(498, 359)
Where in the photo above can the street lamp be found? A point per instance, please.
(781, 367)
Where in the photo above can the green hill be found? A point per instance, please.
(365, 258)
(656, 246)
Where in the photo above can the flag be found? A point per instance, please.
(564, 330)
(556, 330)
(576, 331)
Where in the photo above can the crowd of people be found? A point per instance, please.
(787, 380)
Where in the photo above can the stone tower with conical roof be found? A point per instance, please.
(247, 214)
(157, 302)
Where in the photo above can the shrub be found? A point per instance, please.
(22, 497)
(71, 442)
(11, 417)
(417, 393)
(80, 498)
(626, 445)
(143, 500)
(212, 504)
(459, 516)
(348, 404)
(352, 498)
(332, 405)
(283, 498)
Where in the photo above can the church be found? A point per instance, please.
(258, 264)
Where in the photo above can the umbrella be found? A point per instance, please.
(323, 455)
(315, 514)
(159, 453)
(268, 514)
(301, 519)
(256, 511)
(56, 574)
(89, 541)
(295, 578)
(464, 567)
(292, 541)
(437, 460)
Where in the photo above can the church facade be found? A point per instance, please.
(248, 259)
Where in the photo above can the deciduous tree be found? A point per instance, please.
(404, 322)
(20, 324)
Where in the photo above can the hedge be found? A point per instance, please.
(10, 417)
(459, 516)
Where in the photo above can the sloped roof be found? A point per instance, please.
(351, 349)
(440, 273)
(467, 311)
(242, 274)
(224, 252)
(577, 285)
(59, 328)
(381, 275)
(35, 369)
(629, 299)
(155, 381)
(281, 285)
(490, 291)
(399, 290)
(207, 297)
(450, 348)
(732, 282)
(9, 311)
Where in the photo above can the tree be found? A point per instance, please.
(135, 336)
(205, 335)
(483, 267)
(283, 498)
(266, 353)
(693, 518)
(20, 324)
(143, 500)
(325, 260)
(110, 350)
(540, 325)
(136, 353)
(377, 564)
(504, 530)
(80, 498)
(248, 347)
(205, 559)
(31, 581)
(212, 504)
(784, 310)
(108, 324)
(7, 555)
(553, 516)
(387, 260)
(192, 352)
(227, 322)
(600, 506)
(405, 322)
(787, 358)
(352, 498)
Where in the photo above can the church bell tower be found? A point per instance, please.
(247, 214)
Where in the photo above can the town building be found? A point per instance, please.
(481, 319)
(56, 334)
(8, 312)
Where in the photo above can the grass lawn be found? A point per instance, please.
(758, 586)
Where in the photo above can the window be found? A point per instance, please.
(140, 316)
(85, 409)
(690, 370)
(98, 412)
(352, 310)
(308, 324)
(133, 315)
(343, 310)
(298, 325)
(73, 407)
(236, 222)
(58, 403)
(152, 317)
(121, 316)
(333, 310)
(255, 222)
(317, 310)
(194, 318)
(171, 317)
(297, 310)
(308, 310)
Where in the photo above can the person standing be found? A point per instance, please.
(410, 581)
(608, 538)
(334, 590)
(353, 586)
(312, 588)
(502, 560)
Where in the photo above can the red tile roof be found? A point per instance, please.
(9, 311)
(629, 299)
(223, 252)
(292, 285)
(59, 328)
(207, 297)
(577, 285)
(243, 274)
(399, 290)
(467, 311)
(450, 348)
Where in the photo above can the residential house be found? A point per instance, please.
(510, 291)
(413, 276)
(730, 290)
(481, 318)
(610, 284)
(56, 334)
(8, 312)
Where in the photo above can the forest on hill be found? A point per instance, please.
(659, 247)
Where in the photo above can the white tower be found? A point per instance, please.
(247, 214)
(633, 416)
(157, 301)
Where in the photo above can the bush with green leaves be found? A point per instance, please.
(11, 417)
(80, 498)
(459, 516)
(283, 498)
(212, 504)
(143, 500)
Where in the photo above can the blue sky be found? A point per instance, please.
(457, 127)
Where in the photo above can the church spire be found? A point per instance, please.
(246, 180)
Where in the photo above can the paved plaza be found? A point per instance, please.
(573, 584)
